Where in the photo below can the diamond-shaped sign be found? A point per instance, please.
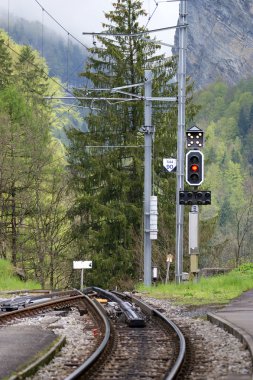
(170, 164)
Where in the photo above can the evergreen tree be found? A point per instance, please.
(105, 163)
(31, 75)
(5, 64)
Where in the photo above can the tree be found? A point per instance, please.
(21, 157)
(5, 64)
(106, 163)
(34, 228)
(31, 76)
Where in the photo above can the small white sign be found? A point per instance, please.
(82, 264)
(170, 164)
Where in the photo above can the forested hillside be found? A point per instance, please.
(227, 118)
(34, 227)
(85, 200)
(65, 58)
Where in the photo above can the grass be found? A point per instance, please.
(211, 290)
(10, 281)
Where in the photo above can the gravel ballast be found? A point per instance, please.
(218, 354)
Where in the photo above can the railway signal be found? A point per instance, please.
(194, 167)
(194, 138)
(195, 197)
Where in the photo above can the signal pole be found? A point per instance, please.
(180, 139)
(148, 130)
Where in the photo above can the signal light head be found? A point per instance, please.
(195, 197)
(194, 137)
(194, 167)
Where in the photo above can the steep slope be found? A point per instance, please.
(65, 58)
(220, 41)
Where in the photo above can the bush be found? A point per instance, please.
(244, 268)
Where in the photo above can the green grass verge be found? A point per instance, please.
(211, 290)
(9, 281)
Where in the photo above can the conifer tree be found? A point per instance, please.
(106, 163)
(5, 64)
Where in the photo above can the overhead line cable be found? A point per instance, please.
(44, 72)
(65, 30)
(150, 17)
(113, 146)
(42, 33)
(60, 25)
(134, 34)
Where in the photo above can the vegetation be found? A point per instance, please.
(210, 290)
(89, 205)
(227, 118)
(65, 58)
(106, 163)
(33, 183)
(10, 281)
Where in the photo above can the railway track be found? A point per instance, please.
(140, 343)
(105, 335)
(59, 305)
(132, 340)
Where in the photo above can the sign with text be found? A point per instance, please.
(170, 164)
(82, 264)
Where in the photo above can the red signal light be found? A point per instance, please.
(194, 168)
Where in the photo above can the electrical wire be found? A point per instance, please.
(44, 72)
(150, 17)
(114, 146)
(42, 33)
(68, 34)
(61, 26)
(8, 22)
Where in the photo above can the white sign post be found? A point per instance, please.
(168, 260)
(82, 265)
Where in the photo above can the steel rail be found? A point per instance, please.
(28, 310)
(182, 345)
(96, 354)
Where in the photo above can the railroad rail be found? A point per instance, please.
(135, 341)
(139, 342)
(61, 301)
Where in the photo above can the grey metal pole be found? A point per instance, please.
(180, 139)
(81, 284)
(147, 177)
(194, 241)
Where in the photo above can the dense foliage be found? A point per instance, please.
(227, 117)
(33, 197)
